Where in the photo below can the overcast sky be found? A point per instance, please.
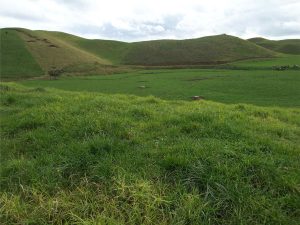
(134, 20)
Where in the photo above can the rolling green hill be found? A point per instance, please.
(114, 51)
(207, 50)
(291, 46)
(15, 59)
(45, 50)
(87, 158)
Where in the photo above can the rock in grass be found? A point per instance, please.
(196, 97)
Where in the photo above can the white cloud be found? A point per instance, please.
(133, 20)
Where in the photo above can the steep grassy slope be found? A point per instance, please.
(15, 59)
(71, 158)
(291, 46)
(50, 52)
(114, 51)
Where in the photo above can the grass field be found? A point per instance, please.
(268, 63)
(91, 158)
(265, 87)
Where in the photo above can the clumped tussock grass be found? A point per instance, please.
(83, 158)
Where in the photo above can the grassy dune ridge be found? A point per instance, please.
(88, 158)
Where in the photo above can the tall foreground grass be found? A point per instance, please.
(82, 158)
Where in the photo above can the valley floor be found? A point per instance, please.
(256, 86)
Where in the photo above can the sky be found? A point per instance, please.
(136, 20)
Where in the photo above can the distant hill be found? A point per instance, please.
(289, 46)
(113, 51)
(43, 50)
(207, 50)
(28, 53)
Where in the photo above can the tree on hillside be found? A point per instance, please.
(55, 73)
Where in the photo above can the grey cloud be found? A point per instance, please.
(112, 32)
(106, 31)
(279, 30)
(83, 29)
(109, 31)
(72, 3)
(170, 22)
(142, 30)
(266, 21)
(269, 18)
(23, 15)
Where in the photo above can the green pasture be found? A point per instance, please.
(264, 88)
